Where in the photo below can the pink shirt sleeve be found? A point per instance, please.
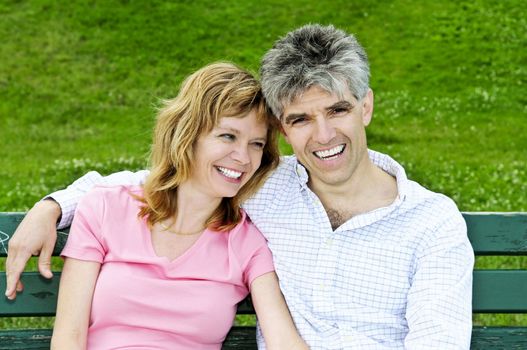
(85, 240)
(253, 254)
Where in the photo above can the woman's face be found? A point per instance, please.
(228, 156)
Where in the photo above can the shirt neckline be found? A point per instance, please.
(383, 161)
(147, 232)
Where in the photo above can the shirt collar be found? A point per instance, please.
(301, 173)
(383, 161)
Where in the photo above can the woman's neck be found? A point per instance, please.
(193, 209)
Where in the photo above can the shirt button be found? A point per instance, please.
(299, 170)
(329, 242)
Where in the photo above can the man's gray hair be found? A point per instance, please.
(313, 55)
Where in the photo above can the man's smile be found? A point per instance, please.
(331, 153)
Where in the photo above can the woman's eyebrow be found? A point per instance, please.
(229, 129)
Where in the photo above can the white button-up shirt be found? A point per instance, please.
(398, 277)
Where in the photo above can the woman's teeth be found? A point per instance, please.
(233, 174)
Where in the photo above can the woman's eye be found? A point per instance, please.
(228, 137)
(259, 145)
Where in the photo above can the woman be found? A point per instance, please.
(163, 265)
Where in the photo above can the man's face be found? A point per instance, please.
(327, 134)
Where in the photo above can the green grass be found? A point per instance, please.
(79, 81)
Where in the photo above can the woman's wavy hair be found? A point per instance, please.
(214, 91)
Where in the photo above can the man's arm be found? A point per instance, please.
(69, 197)
(37, 234)
(439, 308)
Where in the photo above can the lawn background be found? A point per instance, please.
(79, 82)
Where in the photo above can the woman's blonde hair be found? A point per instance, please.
(214, 91)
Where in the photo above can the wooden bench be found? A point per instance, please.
(495, 291)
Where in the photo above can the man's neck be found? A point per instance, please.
(368, 189)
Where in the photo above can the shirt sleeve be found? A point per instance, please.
(254, 256)
(85, 241)
(439, 307)
(69, 197)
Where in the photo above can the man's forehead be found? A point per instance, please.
(316, 96)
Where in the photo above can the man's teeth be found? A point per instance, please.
(230, 173)
(329, 152)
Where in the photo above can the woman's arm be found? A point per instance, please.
(77, 284)
(277, 326)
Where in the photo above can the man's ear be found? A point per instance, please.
(367, 108)
(284, 134)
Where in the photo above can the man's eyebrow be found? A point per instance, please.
(291, 117)
(340, 104)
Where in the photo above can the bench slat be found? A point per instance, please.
(500, 291)
(495, 291)
(499, 338)
(8, 224)
(243, 338)
(489, 233)
(497, 233)
(239, 338)
(40, 297)
(22, 339)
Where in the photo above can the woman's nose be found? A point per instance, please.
(241, 154)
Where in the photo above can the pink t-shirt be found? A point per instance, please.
(143, 301)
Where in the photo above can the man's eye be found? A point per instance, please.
(298, 121)
(338, 111)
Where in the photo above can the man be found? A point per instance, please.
(367, 259)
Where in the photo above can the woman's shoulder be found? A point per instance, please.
(246, 233)
(109, 191)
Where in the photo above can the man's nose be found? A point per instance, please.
(324, 132)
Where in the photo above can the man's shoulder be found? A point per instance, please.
(284, 174)
(417, 197)
(429, 204)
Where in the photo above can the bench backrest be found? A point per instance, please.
(494, 291)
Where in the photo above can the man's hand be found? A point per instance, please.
(35, 235)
